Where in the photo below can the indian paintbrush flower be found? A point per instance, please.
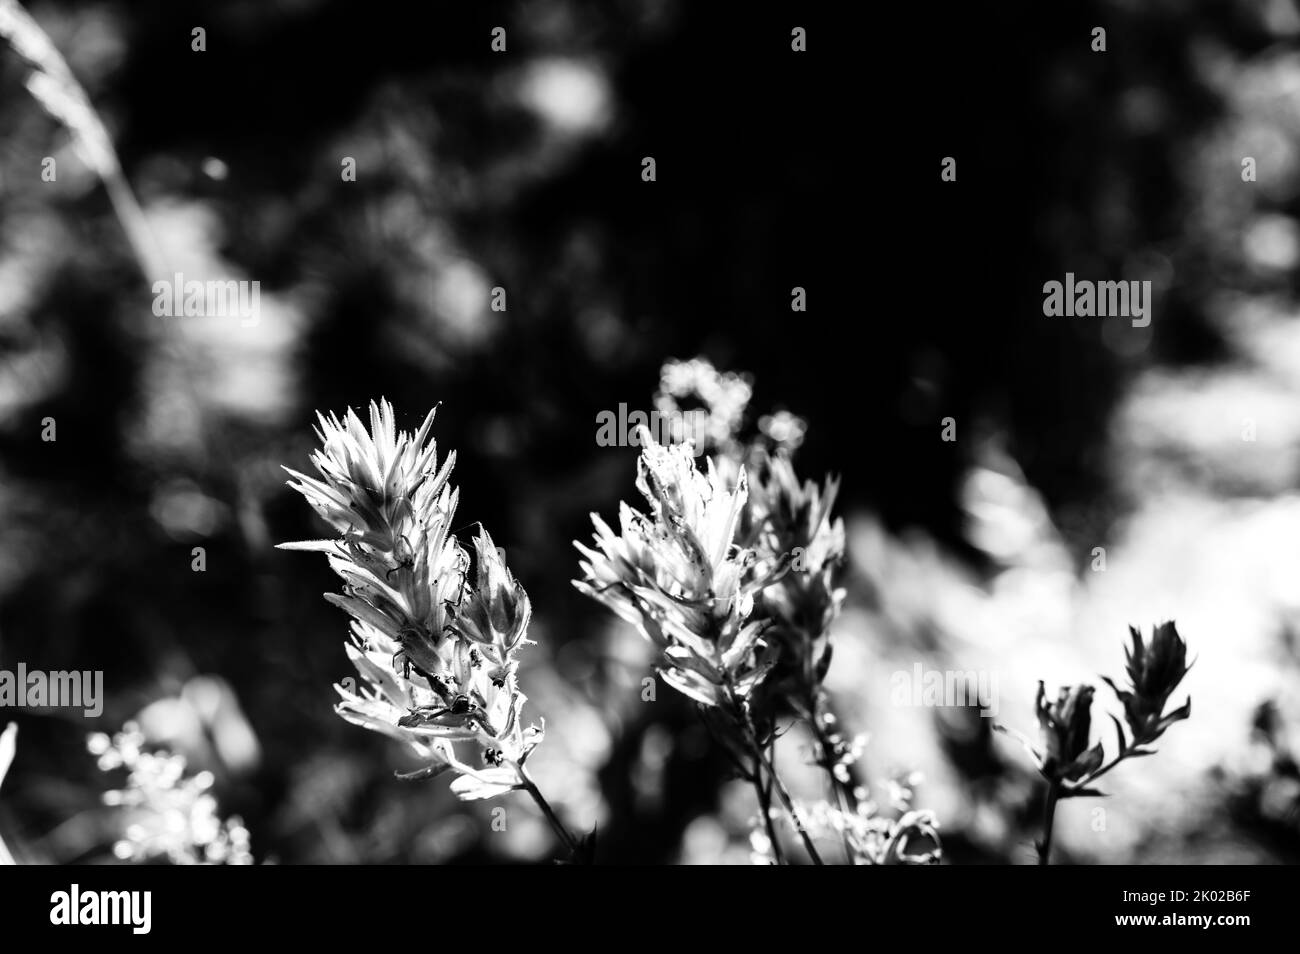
(1154, 669)
(1067, 762)
(731, 575)
(495, 617)
(436, 654)
(678, 575)
(792, 523)
(789, 527)
(1066, 726)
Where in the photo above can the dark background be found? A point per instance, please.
(775, 169)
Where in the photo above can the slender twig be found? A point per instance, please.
(845, 811)
(59, 93)
(148, 253)
(531, 788)
(786, 800)
(752, 773)
(765, 807)
(749, 733)
(751, 736)
(1049, 817)
(843, 789)
(846, 800)
(1053, 796)
(1106, 768)
(8, 743)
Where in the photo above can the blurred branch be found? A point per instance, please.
(52, 84)
(8, 746)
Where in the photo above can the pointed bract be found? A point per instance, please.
(435, 651)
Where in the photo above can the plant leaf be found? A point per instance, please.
(428, 771)
(1119, 730)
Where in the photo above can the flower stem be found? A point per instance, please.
(845, 810)
(782, 793)
(794, 814)
(814, 714)
(531, 787)
(1105, 768)
(765, 807)
(744, 720)
(1049, 816)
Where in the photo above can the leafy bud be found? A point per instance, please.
(1067, 725)
(1155, 669)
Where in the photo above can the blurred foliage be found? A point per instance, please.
(522, 170)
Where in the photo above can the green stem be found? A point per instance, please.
(845, 798)
(765, 807)
(1049, 817)
(531, 788)
(845, 810)
(783, 794)
(148, 253)
(1105, 768)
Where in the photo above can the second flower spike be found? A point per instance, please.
(679, 575)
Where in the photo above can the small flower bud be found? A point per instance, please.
(1066, 725)
(497, 612)
(1154, 669)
